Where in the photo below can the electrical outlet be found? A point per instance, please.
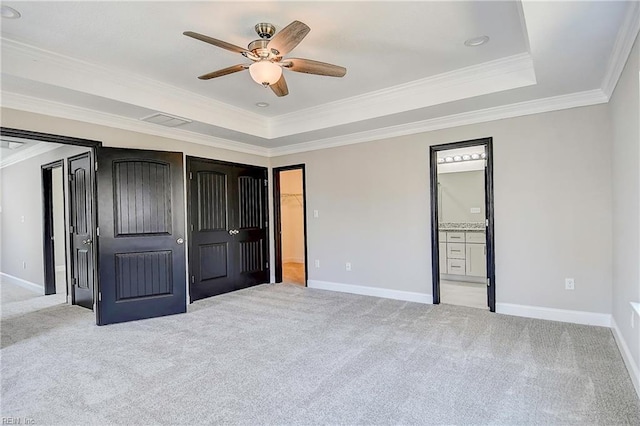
(348, 266)
(315, 213)
(22, 219)
(569, 284)
(317, 263)
(24, 264)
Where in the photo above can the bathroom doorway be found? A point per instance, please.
(462, 224)
(291, 226)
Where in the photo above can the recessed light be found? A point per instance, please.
(9, 12)
(262, 104)
(476, 41)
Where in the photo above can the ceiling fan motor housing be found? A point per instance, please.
(265, 30)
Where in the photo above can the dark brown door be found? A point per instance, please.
(141, 226)
(81, 229)
(228, 221)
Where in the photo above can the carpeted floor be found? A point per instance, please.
(285, 354)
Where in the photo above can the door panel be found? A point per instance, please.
(141, 222)
(251, 224)
(227, 213)
(211, 257)
(81, 221)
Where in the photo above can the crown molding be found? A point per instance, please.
(622, 47)
(25, 61)
(40, 106)
(57, 109)
(489, 77)
(555, 103)
(28, 152)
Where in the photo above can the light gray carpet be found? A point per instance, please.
(284, 354)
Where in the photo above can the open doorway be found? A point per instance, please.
(290, 220)
(462, 224)
(42, 180)
(54, 227)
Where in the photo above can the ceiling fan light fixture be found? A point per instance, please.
(265, 73)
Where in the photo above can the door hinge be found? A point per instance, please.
(73, 282)
(97, 231)
(96, 166)
(266, 223)
(99, 296)
(193, 279)
(267, 265)
(70, 177)
(190, 175)
(488, 282)
(486, 222)
(191, 227)
(266, 182)
(71, 229)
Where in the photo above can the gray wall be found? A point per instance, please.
(624, 111)
(22, 197)
(552, 214)
(459, 193)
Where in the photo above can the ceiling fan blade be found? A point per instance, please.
(289, 37)
(314, 67)
(216, 42)
(280, 87)
(224, 71)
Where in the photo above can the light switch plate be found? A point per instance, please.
(476, 210)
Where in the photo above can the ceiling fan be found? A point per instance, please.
(267, 56)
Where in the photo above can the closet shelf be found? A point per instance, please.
(297, 197)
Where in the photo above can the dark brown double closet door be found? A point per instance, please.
(228, 245)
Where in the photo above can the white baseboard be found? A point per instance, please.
(292, 260)
(385, 293)
(22, 283)
(563, 315)
(632, 367)
(60, 268)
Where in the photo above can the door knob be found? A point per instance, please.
(87, 241)
(233, 232)
(180, 241)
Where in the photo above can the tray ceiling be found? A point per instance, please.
(114, 63)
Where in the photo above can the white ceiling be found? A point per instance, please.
(408, 69)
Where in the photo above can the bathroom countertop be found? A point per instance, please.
(465, 227)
